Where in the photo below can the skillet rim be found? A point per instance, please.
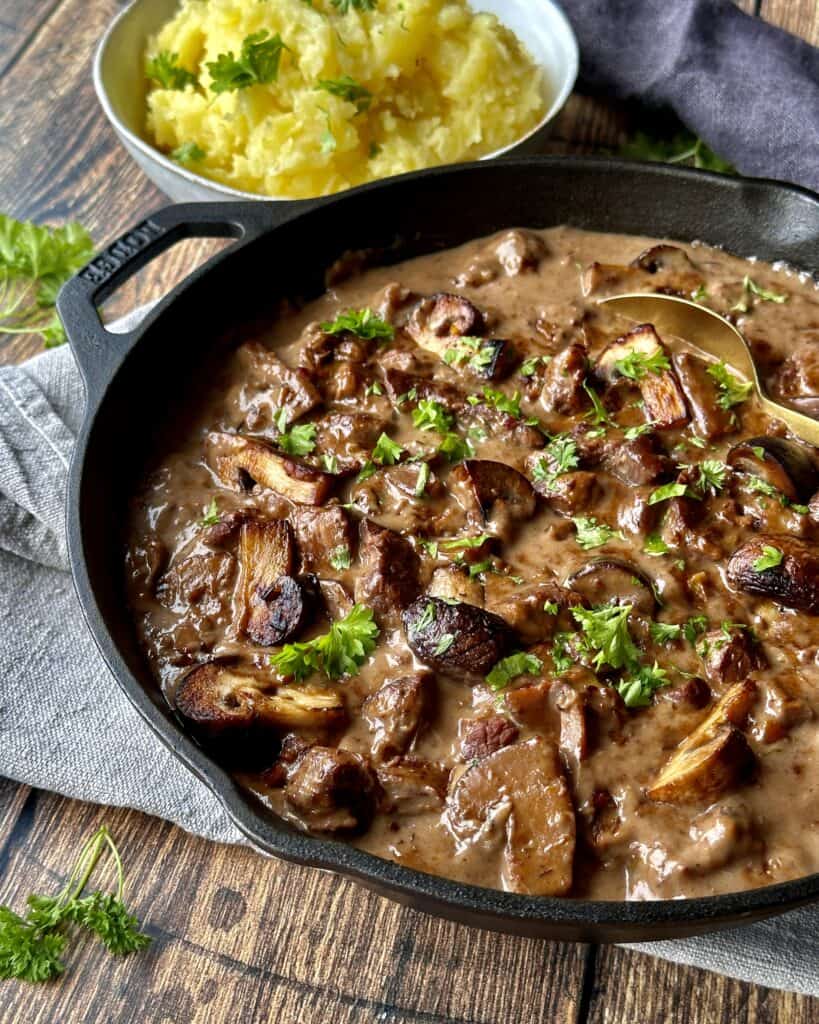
(554, 917)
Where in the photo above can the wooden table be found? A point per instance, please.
(238, 938)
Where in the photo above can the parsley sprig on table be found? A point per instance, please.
(341, 652)
(35, 262)
(257, 64)
(31, 947)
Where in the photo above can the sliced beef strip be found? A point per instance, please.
(333, 790)
(484, 736)
(563, 381)
(389, 577)
(410, 785)
(397, 712)
(731, 655)
(319, 533)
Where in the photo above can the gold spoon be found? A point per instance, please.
(712, 333)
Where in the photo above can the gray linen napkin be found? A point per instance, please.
(65, 725)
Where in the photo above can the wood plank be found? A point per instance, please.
(801, 17)
(635, 987)
(20, 21)
(240, 937)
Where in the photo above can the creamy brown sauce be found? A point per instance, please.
(755, 823)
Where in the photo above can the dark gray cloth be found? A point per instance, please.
(748, 89)
(65, 725)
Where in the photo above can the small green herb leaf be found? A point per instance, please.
(257, 64)
(732, 390)
(509, 668)
(769, 559)
(347, 88)
(340, 558)
(637, 365)
(361, 322)
(341, 652)
(164, 68)
(591, 534)
(667, 491)
(188, 153)
(211, 516)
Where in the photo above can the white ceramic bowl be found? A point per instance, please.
(119, 80)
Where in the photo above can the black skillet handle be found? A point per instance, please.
(97, 349)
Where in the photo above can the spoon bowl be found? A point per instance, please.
(715, 336)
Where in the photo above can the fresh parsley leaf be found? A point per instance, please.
(465, 542)
(426, 620)
(477, 568)
(655, 545)
(561, 657)
(374, 389)
(559, 456)
(518, 664)
(341, 652)
(164, 68)
(732, 390)
(597, 415)
(347, 88)
(330, 463)
(675, 490)
(455, 448)
(257, 64)
(423, 479)
(637, 365)
(762, 293)
(591, 534)
(298, 440)
(340, 558)
(694, 626)
(387, 452)
(31, 947)
(476, 353)
(211, 516)
(188, 153)
(770, 558)
(430, 546)
(529, 366)
(700, 294)
(509, 404)
(361, 322)
(664, 632)
(632, 433)
(637, 688)
(431, 415)
(444, 644)
(35, 262)
(606, 634)
(712, 474)
(551, 607)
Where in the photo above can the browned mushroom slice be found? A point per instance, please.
(337, 602)
(397, 711)
(452, 328)
(663, 401)
(266, 554)
(332, 790)
(286, 476)
(281, 610)
(575, 738)
(730, 654)
(536, 611)
(670, 264)
(232, 711)
(411, 785)
(456, 638)
(389, 576)
(226, 529)
(495, 494)
(780, 710)
(609, 278)
(701, 394)
(563, 381)
(732, 708)
(794, 582)
(484, 736)
(279, 387)
(700, 773)
(790, 467)
(323, 535)
(603, 580)
(519, 792)
(453, 583)
(350, 437)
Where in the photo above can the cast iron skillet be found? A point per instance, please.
(283, 250)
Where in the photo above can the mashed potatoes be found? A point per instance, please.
(444, 84)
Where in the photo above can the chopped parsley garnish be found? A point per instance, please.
(465, 542)
(529, 366)
(299, 440)
(474, 352)
(749, 285)
(341, 652)
(606, 634)
(675, 490)
(386, 453)
(694, 626)
(330, 463)
(188, 153)
(455, 448)
(444, 644)
(732, 391)
(509, 404)
(560, 652)
(559, 457)
(211, 516)
(637, 365)
(430, 546)
(340, 558)
(519, 664)
(655, 545)
(711, 475)
(431, 415)
(361, 322)
(770, 558)
(664, 632)
(373, 389)
(477, 568)
(347, 88)
(423, 479)
(591, 534)
(761, 486)
(257, 64)
(551, 607)
(636, 689)
(165, 69)
(632, 433)
(700, 294)
(597, 415)
(426, 620)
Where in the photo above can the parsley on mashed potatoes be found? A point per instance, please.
(297, 98)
